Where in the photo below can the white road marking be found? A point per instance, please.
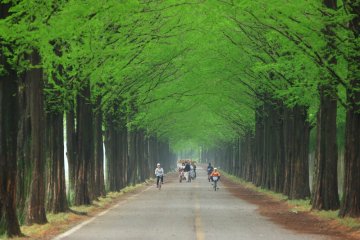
(74, 229)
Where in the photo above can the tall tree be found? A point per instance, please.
(85, 146)
(56, 197)
(8, 139)
(36, 208)
(325, 188)
(351, 197)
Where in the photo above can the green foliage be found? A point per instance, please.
(190, 71)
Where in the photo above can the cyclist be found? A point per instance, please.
(215, 173)
(187, 171)
(159, 173)
(209, 171)
(194, 168)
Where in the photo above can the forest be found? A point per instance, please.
(254, 86)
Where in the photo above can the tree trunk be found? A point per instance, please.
(85, 146)
(24, 163)
(351, 197)
(124, 156)
(57, 201)
(300, 188)
(99, 152)
(36, 209)
(259, 146)
(296, 143)
(325, 190)
(71, 143)
(112, 159)
(132, 170)
(8, 140)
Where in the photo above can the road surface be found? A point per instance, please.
(183, 211)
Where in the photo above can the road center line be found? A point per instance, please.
(198, 224)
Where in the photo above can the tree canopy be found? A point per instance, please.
(191, 71)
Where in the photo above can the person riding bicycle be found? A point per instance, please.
(159, 173)
(209, 170)
(215, 173)
(194, 168)
(187, 171)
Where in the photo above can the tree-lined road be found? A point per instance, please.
(183, 211)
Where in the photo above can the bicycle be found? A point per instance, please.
(159, 183)
(215, 180)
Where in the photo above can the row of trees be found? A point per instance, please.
(298, 62)
(147, 76)
(65, 68)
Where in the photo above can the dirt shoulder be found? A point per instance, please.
(282, 213)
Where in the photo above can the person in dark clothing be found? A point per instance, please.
(210, 169)
(187, 171)
(187, 167)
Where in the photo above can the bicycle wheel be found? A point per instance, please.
(160, 184)
(215, 185)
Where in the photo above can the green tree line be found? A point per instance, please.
(245, 80)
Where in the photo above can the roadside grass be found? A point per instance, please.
(299, 205)
(58, 223)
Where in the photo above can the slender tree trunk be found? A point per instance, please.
(351, 197)
(296, 141)
(71, 143)
(300, 188)
(8, 140)
(132, 170)
(124, 156)
(85, 146)
(259, 146)
(325, 190)
(57, 201)
(112, 157)
(24, 173)
(99, 152)
(36, 209)
(289, 145)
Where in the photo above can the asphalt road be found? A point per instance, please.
(182, 211)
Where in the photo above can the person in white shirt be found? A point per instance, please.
(159, 173)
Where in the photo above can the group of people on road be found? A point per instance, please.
(187, 171)
(187, 168)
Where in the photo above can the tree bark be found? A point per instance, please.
(300, 188)
(85, 146)
(24, 173)
(259, 146)
(99, 152)
(296, 143)
(71, 143)
(351, 198)
(325, 188)
(36, 209)
(132, 170)
(57, 201)
(8, 140)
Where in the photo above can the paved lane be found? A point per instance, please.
(183, 211)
